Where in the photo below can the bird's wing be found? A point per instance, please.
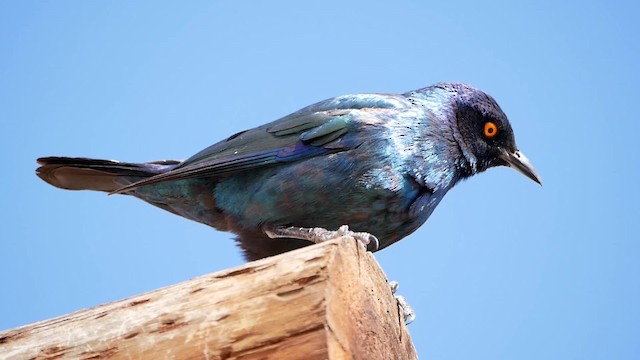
(315, 130)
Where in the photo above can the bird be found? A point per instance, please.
(373, 166)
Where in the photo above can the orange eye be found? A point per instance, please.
(490, 129)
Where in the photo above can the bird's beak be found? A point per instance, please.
(518, 161)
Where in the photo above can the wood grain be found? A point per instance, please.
(327, 301)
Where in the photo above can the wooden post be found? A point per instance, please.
(327, 301)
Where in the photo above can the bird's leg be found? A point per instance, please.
(318, 235)
(406, 310)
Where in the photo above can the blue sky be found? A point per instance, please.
(503, 269)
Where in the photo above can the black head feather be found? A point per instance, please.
(473, 109)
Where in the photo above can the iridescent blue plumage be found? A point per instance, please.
(379, 163)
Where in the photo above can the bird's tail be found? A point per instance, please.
(94, 174)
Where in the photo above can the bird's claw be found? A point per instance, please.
(318, 235)
(405, 309)
(369, 240)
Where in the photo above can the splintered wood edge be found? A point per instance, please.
(363, 317)
(330, 300)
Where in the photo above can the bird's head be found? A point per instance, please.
(483, 131)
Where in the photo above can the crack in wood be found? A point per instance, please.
(138, 302)
(99, 354)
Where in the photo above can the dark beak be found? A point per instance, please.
(518, 161)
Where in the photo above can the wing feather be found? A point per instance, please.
(315, 130)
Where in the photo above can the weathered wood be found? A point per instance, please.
(328, 301)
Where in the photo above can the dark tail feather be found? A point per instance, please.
(94, 174)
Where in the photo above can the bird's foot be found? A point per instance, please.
(318, 235)
(405, 309)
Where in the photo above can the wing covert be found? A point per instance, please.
(315, 130)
